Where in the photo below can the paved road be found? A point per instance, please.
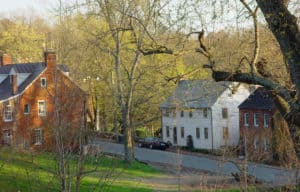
(270, 174)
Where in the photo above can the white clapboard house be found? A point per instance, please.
(205, 110)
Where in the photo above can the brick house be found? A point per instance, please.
(35, 100)
(256, 125)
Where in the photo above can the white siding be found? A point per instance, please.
(214, 122)
(231, 102)
(190, 124)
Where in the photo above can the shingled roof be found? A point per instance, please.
(261, 98)
(195, 94)
(26, 72)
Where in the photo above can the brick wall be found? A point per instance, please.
(64, 108)
(254, 138)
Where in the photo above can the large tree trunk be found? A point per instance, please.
(285, 29)
(128, 142)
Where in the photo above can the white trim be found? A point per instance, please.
(45, 108)
(5, 111)
(266, 144)
(244, 118)
(38, 136)
(266, 120)
(255, 121)
(43, 79)
(255, 143)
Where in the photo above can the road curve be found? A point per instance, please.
(271, 174)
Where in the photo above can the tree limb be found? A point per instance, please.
(286, 30)
(253, 14)
(140, 123)
(180, 76)
(160, 50)
(258, 80)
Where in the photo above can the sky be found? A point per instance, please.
(45, 9)
(10, 8)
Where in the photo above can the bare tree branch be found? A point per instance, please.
(258, 80)
(253, 14)
(180, 76)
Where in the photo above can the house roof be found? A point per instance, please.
(26, 73)
(195, 94)
(261, 98)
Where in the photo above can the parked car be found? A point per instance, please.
(152, 143)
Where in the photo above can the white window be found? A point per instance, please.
(8, 113)
(246, 119)
(38, 136)
(43, 82)
(255, 143)
(266, 120)
(26, 109)
(7, 135)
(256, 119)
(205, 110)
(266, 144)
(42, 108)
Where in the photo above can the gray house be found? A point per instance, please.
(206, 110)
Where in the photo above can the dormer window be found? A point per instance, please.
(43, 82)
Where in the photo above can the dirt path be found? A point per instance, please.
(187, 179)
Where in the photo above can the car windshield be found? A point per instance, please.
(151, 139)
(155, 139)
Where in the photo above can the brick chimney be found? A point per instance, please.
(14, 84)
(50, 59)
(5, 60)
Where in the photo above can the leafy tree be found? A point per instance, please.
(24, 41)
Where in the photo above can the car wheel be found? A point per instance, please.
(140, 145)
(151, 147)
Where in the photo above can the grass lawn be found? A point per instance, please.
(28, 172)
